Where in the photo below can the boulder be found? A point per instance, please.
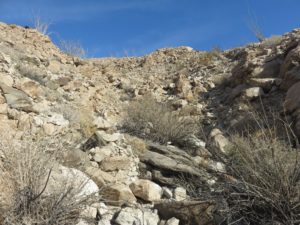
(100, 177)
(172, 221)
(62, 178)
(54, 66)
(100, 138)
(104, 221)
(82, 222)
(146, 190)
(180, 194)
(89, 212)
(16, 99)
(57, 119)
(106, 214)
(116, 163)
(102, 123)
(106, 137)
(117, 195)
(193, 142)
(31, 88)
(101, 153)
(253, 93)
(133, 216)
(74, 158)
(219, 140)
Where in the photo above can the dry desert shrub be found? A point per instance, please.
(157, 121)
(272, 41)
(41, 25)
(25, 170)
(72, 48)
(138, 145)
(267, 189)
(206, 58)
(80, 117)
(87, 126)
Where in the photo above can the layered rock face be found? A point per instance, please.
(46, 93)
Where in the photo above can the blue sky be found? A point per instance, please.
(138, 27)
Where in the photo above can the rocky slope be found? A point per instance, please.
(48, 93)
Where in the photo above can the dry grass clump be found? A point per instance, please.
(267, 190)
(207, 57)
(87, 127)
(272, 41)
(40, 25)
(25, 169)
(72, 48)
(80, 117)
(138, 145)
(157, 121)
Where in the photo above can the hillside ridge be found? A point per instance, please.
(82, 104)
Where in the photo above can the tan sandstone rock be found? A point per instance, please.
(116, 163)
(118, 194)
(146, 190)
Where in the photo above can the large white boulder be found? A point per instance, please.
(62, 178)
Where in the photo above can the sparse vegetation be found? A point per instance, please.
(87, 126)
(268, 180)
(72, 48)
(79, 117)
(272, 41)
(31, 73)
(255, 27)
(157, 121)
(207, 57)
(196, 130)
(138, 145)
(25, 169)
(40, 25)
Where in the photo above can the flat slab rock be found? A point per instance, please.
(16, 99)
(172, 159)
